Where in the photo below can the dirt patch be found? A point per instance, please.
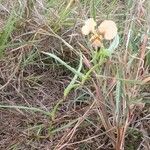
(34, 86)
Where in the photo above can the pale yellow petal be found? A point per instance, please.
(85, 30)
(108, 28)
(90, 25)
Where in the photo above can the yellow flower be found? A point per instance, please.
(108, 29)
(89, 26)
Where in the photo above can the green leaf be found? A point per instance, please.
(72, 83)
(118, 95)
(63, 63)
(8, 28)
(103, 53)
(92, 9)
(26, 108)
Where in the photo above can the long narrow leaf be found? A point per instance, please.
(72, 83)
(26, 108)
(118, 97)
(9, 27)
(63, 63)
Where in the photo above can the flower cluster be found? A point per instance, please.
(106, 30)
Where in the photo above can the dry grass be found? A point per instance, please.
(108, 105)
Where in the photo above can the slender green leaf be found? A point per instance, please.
(26, 108)
(8, 28)
(72, 83)
(93, 9)
(63, 63)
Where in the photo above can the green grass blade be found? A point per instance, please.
(93, 9)
(87, 75)
(63, 63)
(118, 97)
(9, 27)
(55, 109)
(65, 126)
(26, 108)
(72, 83)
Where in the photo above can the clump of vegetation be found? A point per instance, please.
(74, 74)
(134, 139)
